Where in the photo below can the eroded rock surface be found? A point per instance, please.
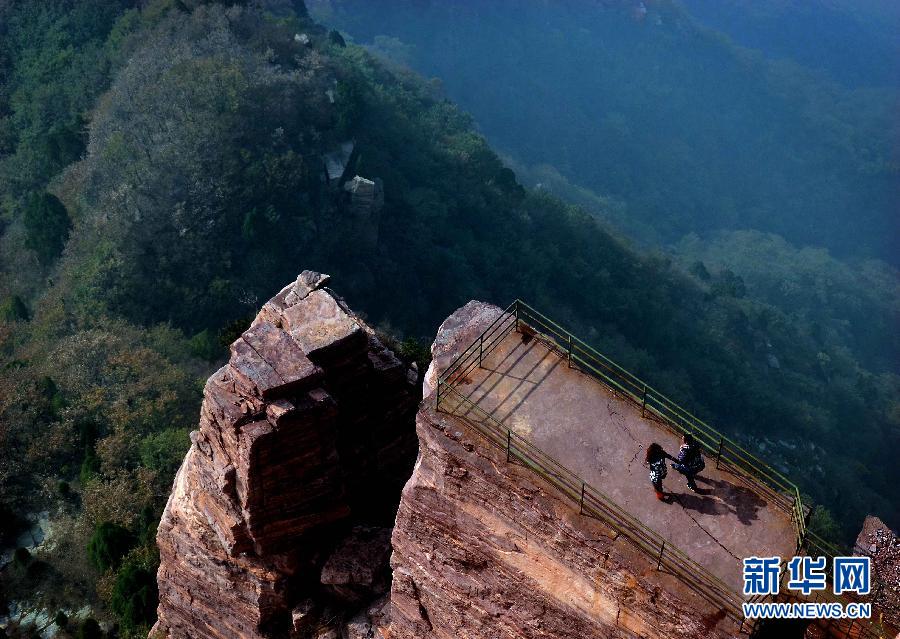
(306, 432)
(357, 569)
(881, 544)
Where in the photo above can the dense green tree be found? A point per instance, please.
(61, 619)
(47, 226)
(21, 558)
(90, 465)
(336, 38)
(134, 596)
(164, 450)
(13, 309)
(89, 629)
(109, 543)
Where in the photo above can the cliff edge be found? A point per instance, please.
(317, 483)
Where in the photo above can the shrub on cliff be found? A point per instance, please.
(164, 451)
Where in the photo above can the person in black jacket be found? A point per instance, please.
(690, 460)
(656, 460)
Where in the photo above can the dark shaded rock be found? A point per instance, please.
(359, 569)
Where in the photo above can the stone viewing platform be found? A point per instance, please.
(531, 389)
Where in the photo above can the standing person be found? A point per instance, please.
(690, 460)
(656, 460)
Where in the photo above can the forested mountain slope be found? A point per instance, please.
(640, 102)
(853, 41)
(150, 205)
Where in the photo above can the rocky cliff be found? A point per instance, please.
(305, 439)
(881, 544)
(279, 521)
(482, 548)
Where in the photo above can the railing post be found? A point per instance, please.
(517, 316)
(581, 508)
(662, 549)
(437, 402)
(508, 443)
(480, 349)
(644, 401)
(570, 350)
(719, 454)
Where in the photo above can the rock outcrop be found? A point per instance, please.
(336, 161)
(881, 544)
(483, 548)
(363, 200)
(304, 434)
(366, 196)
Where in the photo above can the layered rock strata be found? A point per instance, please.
(484, 548)
(305, 432)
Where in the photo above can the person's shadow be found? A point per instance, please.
(740, 500)
(700, 503)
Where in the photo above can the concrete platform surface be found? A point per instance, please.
(603, 439)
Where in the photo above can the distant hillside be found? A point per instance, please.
(640, 102)
(854, 41)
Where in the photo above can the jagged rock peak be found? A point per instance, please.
(305, 437)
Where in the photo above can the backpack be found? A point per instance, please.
(695, 463)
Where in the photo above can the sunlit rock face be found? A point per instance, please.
(482, 548)
(306, 434)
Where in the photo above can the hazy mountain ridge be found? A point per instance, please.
(643, 103)
(853, 42)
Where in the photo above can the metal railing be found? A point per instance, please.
(754, 472)
(593, 503)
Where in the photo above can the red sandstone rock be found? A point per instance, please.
(356, 570)
(310, 408)
(483, 548)
(881, 544)
(302, 433)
